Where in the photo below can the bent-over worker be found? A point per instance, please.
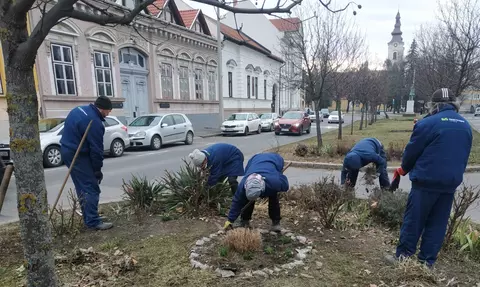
(223, 160)
(263, 178)
(366, 151)
(435, 157)
(87, 170)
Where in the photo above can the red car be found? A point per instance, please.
(295, 122)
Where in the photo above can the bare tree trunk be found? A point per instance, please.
(361, 117)
(317, 124)
(351, 124)
(30, 180)
(339, 108)
(348, 106)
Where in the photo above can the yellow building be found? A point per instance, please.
(344, 104)
(3, 89)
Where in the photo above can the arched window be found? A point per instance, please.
(394, 56)
(132, 57)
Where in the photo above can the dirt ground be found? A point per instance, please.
(150, 251)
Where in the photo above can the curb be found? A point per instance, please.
(210, 135)
(337, 166)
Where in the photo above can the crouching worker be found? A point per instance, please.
(87, 170)
(263, 178)
(366, 151)
(435, 157)
(223, 160)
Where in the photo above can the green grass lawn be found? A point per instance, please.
(393, 133)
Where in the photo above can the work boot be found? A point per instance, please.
(103, 226)
(276, 226)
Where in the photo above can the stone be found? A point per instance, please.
(292, 264)
(289, 234)
(260, 273)
(262, 231)
(268, 271)
(118, 253)
(224, 273)
(314, 251)
(310, 229)
(213, 235)
(220, 232)
(206, 239)
(307, 276)
(247, 274)
(276, 269)
(284, 232)
(319, 264)
(199, 265)
(199, 242)
(327, 241)
(306, 268)
(193, 255)
(302, 239)
(273, 233)
(304, 250)
(295, 222)
(301, 256)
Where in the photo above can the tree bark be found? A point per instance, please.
(361, 117)
(339, 108)
(317, 123)
(351, 125)
(32, 201)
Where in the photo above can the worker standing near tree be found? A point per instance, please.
(223, 160)
(87, 170)
(263, 178)
(435, 157)
(366, 151)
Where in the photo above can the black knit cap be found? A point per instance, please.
(443, 95)
(103, 103)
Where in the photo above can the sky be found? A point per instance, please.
(376, 20)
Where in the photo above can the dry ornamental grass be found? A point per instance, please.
(243, 240)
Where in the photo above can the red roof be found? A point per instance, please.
(286, 24)
(240, 37)
(188, 17)
(156, 7)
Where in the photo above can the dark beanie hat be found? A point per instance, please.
(103, 103)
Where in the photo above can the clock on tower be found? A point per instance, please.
(395, 45)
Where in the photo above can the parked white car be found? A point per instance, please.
(477, 112)
(242, 123)
(268, 121)
(155, 130)
(333, 117)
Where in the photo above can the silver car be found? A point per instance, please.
(268, 120)
(155, 130)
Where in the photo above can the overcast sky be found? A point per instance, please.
(376, 19)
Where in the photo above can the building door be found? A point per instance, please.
(133, 74)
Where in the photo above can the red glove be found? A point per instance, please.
(396, 178)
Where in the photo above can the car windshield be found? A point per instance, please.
(237, 117)
(334, 113)
(324, 110)
(146, 121)
(49, 125)
(292, 116)
(265, 116)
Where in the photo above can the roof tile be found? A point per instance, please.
(156, 7)
(188, 17)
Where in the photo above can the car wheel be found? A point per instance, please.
(52, 156)
(189, 138)
(259, 130)
(117, 147)
(309, 129)
(300, 132)
(271, 128)
(156, 142)
(245, 133)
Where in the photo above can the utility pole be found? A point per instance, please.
(219, 67)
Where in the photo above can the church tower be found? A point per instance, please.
(396, 46)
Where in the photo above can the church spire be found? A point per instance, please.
(397, 33)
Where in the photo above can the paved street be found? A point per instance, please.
(152, 165)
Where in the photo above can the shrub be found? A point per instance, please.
(463, 200)
(63, 221)
(370, 174)
(243, 240)
(142, 193)
(388, 207)
(395, 151)
(301, 150)
(467, 239)
(343, 148)
(188, 191)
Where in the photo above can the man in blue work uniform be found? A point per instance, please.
(263, 178)
(223, 160)
(87, 170)
(436, 158)
(366, 151)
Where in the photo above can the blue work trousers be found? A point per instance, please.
(426, 213)
(86, 186)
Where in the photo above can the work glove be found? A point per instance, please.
(227, 225)
(396, 178)
(99, 176)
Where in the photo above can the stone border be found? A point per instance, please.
(338, 166)
(300, 256)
